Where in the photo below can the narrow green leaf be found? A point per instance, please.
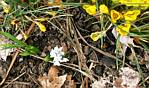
(13, 38)
(146, 47)
(25, 53)
(47, 58)
(32, 49)
(6, 46)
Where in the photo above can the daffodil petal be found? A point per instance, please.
(104, 9)
(97, 35)
(124, 29)
(41, 26)
(115, 15)
(90, 9)
(131, 15)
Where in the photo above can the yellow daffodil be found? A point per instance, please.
(104, 9)
(131, 15)
(115, 15)
(41, 26)
(90, 9)
(123, 29)
(97, 35)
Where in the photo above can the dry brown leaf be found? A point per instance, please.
(69, 83)
(56, 83)
(53, 73)
(44, 81)
(101, 83)
(128, 78)
(52, 80)
(65, 48)
(117, 83)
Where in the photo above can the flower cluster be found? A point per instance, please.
(121, 19)
(129, 16)
(92, 10)
(58, 54)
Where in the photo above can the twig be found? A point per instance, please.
(35, 81)
(11, 64)
(84, 73)
(144, 80)
(100, 51)
(15, 79)
(30, 29)
(20, 83)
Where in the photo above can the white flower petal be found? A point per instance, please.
(58, 54)
(115, 33)
(126, 40)
(64, 60)
(56, 63)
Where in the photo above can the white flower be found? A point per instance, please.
(58, 54)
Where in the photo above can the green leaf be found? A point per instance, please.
(32, 49)
(13, 38)
(145, 26)
(47, 58)
(7, 46)
(29, 50)
(25, 53)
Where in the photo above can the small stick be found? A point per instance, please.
(100, 51)
(11, 64)
(15, 79)
(30, 29)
